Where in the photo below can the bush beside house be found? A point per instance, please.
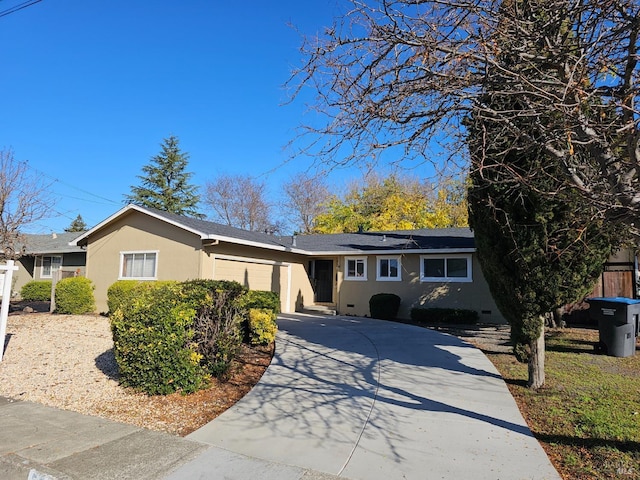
(171, 336)
(444, 315)
(74, 296)
(384, 306)
(262, 326)
(153, 338)
(36, 291)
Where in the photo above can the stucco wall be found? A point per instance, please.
(178, 251)
(181, 256)
(354, 295)
(261, 269)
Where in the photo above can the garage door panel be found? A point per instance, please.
(252, 275)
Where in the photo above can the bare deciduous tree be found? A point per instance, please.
(24, 200)
(239, 201)
(305, 199)
(398, 74)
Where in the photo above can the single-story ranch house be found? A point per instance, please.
(340, 272)
(43, 255)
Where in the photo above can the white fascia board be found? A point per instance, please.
(129, 207)
(100, 225)
(249, 243)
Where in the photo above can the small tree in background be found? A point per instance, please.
(305, 200)
(78, 225)
(240, 202)
(24, 200)
(165, 183)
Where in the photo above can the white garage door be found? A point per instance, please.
(255, 274)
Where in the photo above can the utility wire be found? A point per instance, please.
(18, 7)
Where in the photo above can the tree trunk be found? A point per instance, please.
(536, 359)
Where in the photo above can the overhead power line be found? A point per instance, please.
(18, 7)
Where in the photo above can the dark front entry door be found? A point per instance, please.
(323, 276)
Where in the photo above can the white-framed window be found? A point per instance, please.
(388, 269)
(445, 268)
(138, 265)
(50, 264)
(355, 268)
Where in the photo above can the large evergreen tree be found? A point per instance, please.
(538, 250)
(165, 183)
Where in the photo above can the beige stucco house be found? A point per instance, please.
(339, 272)
(45, 255)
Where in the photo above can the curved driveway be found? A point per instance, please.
(368, 399)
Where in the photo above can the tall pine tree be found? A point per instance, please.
(539, 243)
(165, 183)
(78, 225)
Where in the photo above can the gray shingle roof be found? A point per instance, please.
(423, 239)
(51, 243)
(342, 243)
(206, 227)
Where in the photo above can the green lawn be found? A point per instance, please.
(587, 417)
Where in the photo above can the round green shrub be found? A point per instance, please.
(384, 306)
(262, 326)
(120, 293)
(200, 291)
(154, 342)
(74, 296)
(444, 315)
(36, 291)
(262, 299)
(123, 292)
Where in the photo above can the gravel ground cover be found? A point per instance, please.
(67, 361)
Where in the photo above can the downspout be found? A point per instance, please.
(288, 306)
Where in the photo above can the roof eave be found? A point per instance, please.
(390, 251)
(249, 243)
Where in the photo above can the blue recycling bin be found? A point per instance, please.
(618, 324)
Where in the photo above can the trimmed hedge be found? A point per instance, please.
(36, 291)
(262, 326)
(444, 315)
(74, 296)
(262, 299)
(200, 291)
(171, 336)
(121, 293)
(154, 345)
(384, 306)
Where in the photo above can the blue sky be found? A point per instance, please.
(89, 89)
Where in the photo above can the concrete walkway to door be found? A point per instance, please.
(369, 399)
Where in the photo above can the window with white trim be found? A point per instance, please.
(138, 265)
(388, 269)
(449, 268)
(50, 264)
(355, 268)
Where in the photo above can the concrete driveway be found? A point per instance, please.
(367, 399)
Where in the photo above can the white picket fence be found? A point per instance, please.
(6, 282)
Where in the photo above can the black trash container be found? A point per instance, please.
(617, 323)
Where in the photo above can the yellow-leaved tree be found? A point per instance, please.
(395, 203)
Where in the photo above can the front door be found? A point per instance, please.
(323, 280)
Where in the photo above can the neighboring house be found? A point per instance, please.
(339, 271)
(43, 255)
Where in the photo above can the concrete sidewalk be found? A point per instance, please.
(44, 443)
(344, 397)
(39, 442)
(368, 399)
